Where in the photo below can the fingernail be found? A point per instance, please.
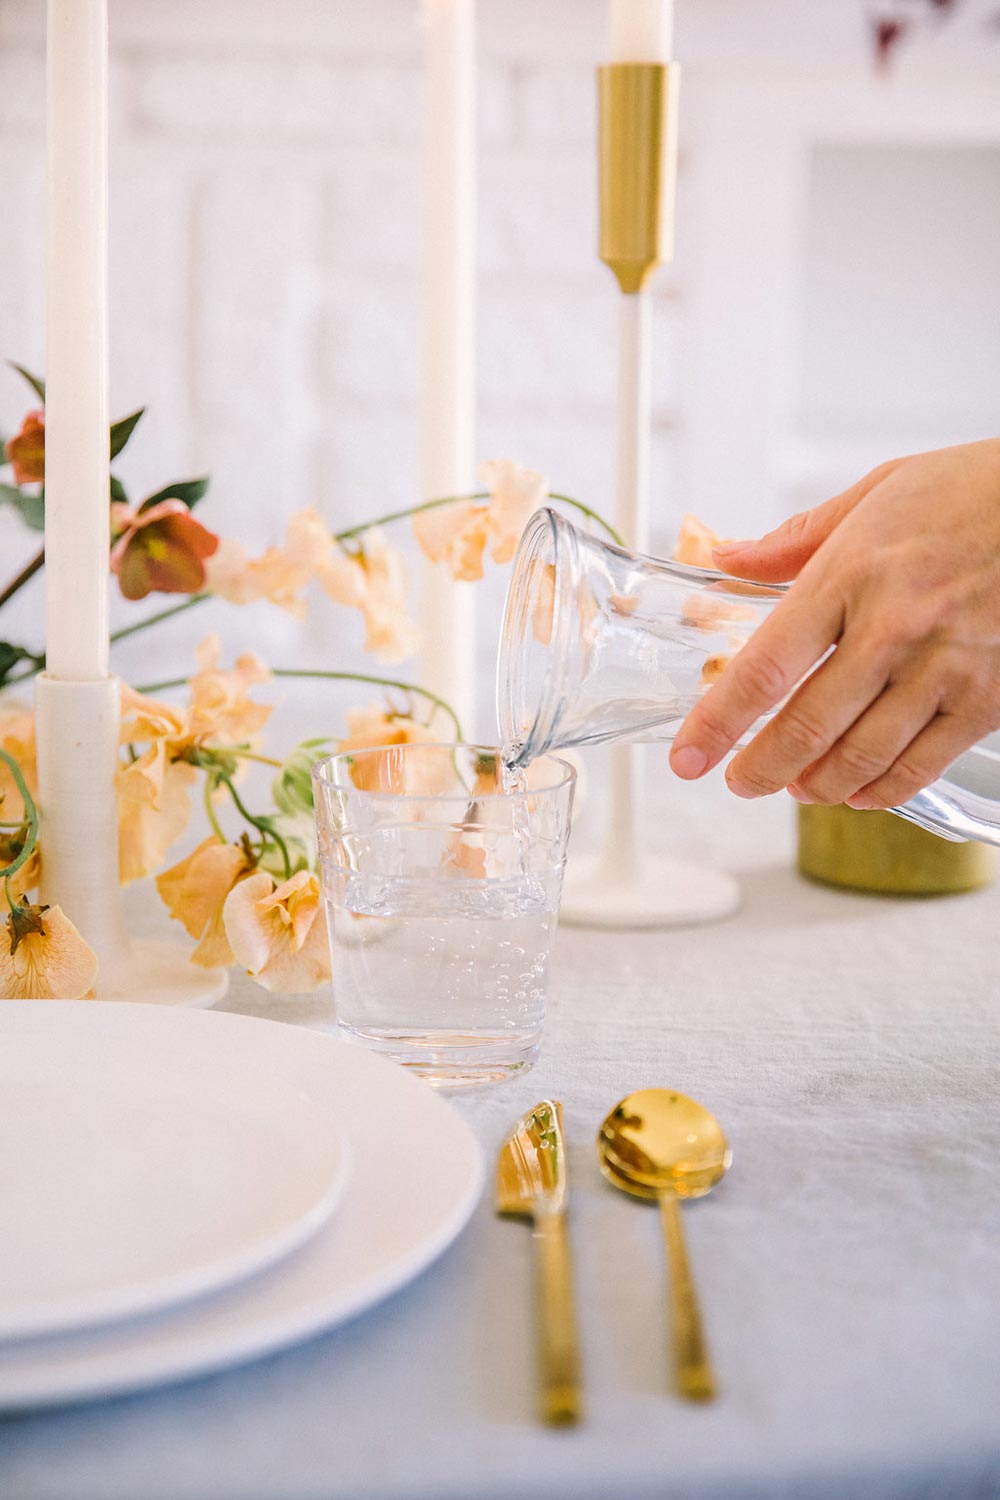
(724, 548)
(861, 803)
(688, 761)
(742, 789)
(799, 795)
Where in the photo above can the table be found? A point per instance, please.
(849, 1265)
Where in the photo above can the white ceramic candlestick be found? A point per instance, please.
(77, 703)
(449, 357)
(625, 886)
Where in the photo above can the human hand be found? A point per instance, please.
(901, 573)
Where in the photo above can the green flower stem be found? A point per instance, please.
(386, 682)
(415, 510)
(210, 810)
(262, 825)
(30, 818)
(164, 614)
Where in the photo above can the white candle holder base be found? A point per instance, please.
(77, 733)
(660, 892)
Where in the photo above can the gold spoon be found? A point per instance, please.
(657, 1144)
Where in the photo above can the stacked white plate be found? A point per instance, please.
(182, 1190)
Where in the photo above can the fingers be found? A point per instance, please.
(921, 762)
(869, 746)
(784, 552)
(816, 723)
(779, 653)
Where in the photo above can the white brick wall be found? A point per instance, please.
(266, 249)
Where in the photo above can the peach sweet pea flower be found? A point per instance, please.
(153, 802)
(515, 494)
(374, 581)
(26, 450)
(277, 932)
(195, 891)
(17, 737)
(694, 543)
(281, 574)
(221, 707)
(153, 809)
(46, 958)
(374, 727)
(458, 535)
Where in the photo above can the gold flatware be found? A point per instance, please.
(531, 1184)
(661, 1145)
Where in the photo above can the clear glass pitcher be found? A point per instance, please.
(603, 644)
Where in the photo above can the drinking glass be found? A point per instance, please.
(441, 877)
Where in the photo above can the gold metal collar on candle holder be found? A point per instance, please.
(637, 134)
(876, 851)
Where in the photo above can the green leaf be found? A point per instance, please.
(32, 507)
(118, 491)
(190, 491)
(291, 789)
(10, 655)
(37, 385)
(123, 430)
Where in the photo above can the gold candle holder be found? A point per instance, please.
(876, 851)
(637, 150)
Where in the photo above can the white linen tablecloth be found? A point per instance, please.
(849, 1265)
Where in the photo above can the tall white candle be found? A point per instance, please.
(449, 355)
(76, 414)
(641, 31)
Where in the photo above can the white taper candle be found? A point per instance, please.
(641, 31)
(449, 354)
(76, 406)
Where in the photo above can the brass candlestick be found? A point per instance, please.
(625, 885)
(637, 153)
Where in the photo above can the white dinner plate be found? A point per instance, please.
(140, 1166)
(415, 1179)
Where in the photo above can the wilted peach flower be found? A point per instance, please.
(695, 542)
(281, 574)
(26, 449)
(374, 581)
(45, 958)
(195, 890)
(458, 535)
(277, 932)
(17, 737)
(161, 549)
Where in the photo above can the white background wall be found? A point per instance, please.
(835, 295)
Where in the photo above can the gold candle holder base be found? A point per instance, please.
(637, 140)
(876, 851)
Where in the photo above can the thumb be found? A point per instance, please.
(784, 552)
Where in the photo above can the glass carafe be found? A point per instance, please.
(603, 644)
